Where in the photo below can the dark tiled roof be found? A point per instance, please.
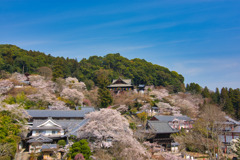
(40, 139)
(126, 83)
(49, 146)
(236, 130)
(232, 120)
(228, 138)
(65, 124)
(161, 127)
(171, 118)
(73, 131)
(60, 113)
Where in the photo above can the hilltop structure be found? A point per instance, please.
(121, 85)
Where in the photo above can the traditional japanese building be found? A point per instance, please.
(121, 85)
(230, 131)
(176, 122)
(47, 127)
(163, 126)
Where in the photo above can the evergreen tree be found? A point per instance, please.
(104, 97)
(193, 88)
(205, 93)
(224, 96)
(228, 107)
(216, 96)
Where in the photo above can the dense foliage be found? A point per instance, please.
(9, 135)
(80, 147)
(14, 59)
(227, 99)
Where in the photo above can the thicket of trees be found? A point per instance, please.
(9, 135)
(15, 59)
(227, 99)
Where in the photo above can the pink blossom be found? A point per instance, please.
(5, 86)
(74, 84)
(109, 124)
(58, 105)
(73, 95)
(18, 77)
(159, 93)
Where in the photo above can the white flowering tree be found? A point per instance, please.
(18, 77)
(72, 95)
(75, 84)
(109, 124)
(235, 146)
(160, 93)
(5, 86)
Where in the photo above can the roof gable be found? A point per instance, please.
(121, 81)
(40, 138)
(49, 123)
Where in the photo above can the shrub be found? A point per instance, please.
(62, 143)
(132, 126)
(80, 147)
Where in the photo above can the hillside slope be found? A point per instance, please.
(15, 59)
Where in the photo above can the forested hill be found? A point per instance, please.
(15, 59)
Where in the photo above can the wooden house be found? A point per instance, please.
(121, 85)
(49, 126)
(164, 126)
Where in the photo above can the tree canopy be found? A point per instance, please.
(15, 59)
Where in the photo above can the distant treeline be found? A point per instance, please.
(15, 59)
(227, 99)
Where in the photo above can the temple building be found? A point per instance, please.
(121, 85)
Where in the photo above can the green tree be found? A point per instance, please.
(80, 147)
(104, 97)
(205, 93)
(216, 97)
(228, 106)
(194, 88)
(61, 143)
(9, 133)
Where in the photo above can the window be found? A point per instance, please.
(42, 132)
(54, 132)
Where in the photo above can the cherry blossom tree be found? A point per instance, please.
(18, 77)
(74, 84)
(5, 86)
(108, 128)
(160, 93)
(58, 105)
(73, 95)
(122, 108)
(42, 95)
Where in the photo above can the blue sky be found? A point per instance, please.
(197, 38)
